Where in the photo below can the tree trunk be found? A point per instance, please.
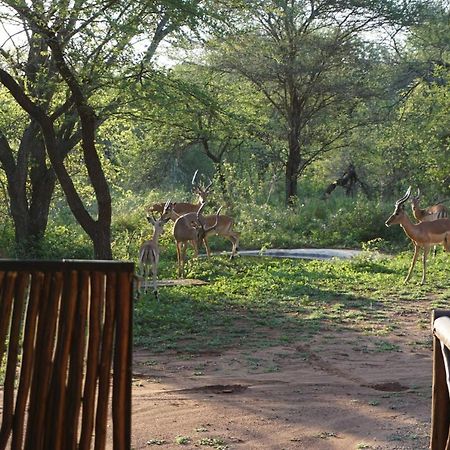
(102, 242)
(41, 197)
(294, 115)
(29, 197)
(292, 166)
(30, 220)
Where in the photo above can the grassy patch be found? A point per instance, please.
(254, 303)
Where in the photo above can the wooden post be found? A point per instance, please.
(440, 406)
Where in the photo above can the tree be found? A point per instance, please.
(98, 230)
(58, 70)
(307, 59)
(412, 146)
(194, 109)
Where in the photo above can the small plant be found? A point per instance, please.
(182, 440)
(327, 434)
(216, 443)
(156, 442)
(383, 346)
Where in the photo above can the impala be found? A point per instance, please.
(192, 228)
(202, 192)
(423, 234)
(433, 212)
(149, 253)
(223, 228)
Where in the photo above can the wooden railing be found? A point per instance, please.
(440, 407)
(65, 354)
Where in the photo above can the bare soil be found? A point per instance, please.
(337, 391)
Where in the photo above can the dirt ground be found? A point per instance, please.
(338, 391)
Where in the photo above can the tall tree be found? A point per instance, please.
(57, 61)
(310, 62)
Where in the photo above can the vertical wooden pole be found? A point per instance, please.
(93, 359)
(14, 301)
(440, 398)
(57, 395)
(26, 367)
(76, 366)
(122, 365)
(105, 362)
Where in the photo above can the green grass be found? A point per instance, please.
(259, 302)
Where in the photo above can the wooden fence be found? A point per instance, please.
(65, 354)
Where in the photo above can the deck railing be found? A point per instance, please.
(65, 354)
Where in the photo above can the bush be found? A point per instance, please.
(339, 221)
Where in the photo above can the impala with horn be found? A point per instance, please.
(433, 212)
(149, 253)
(423, 234)
(223, 228)
(201, 190)
(192, 228)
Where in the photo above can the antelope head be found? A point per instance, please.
(415, 201)
(200, 189)
(200, 224)
(169, 211)
(399, 211)
(157, 223)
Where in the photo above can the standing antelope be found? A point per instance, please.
(149, 252)
(223, 228)
(192, 228)
(181, 208)
(433, 212)
(423, 234)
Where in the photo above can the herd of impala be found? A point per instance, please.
(190, 227)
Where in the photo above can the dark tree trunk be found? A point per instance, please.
(42, 181)
(29, 197)
(292, 166)
(294, 117)
(223, 184)
(98, 230)
(41, 197)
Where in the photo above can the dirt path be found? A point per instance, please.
(338, 392)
